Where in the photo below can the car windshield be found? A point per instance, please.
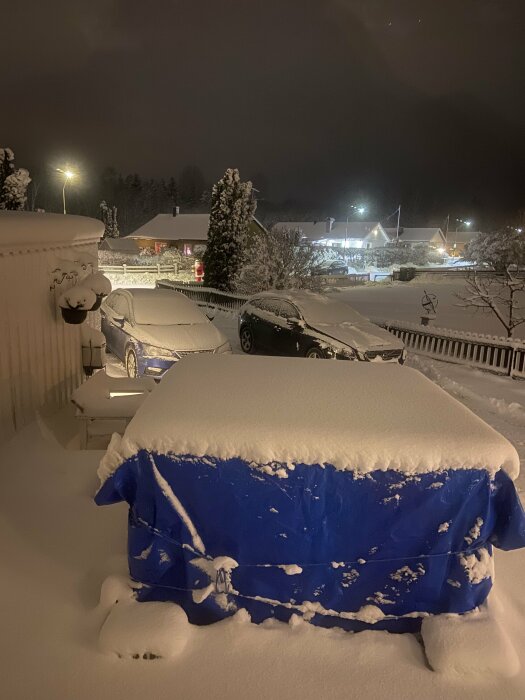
(329, 312)
(166, 310)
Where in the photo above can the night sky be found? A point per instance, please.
(413, 101)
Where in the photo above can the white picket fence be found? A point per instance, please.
(499, 355)
(130, 269)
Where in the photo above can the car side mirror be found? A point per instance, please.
(298, 323)
(119, 320)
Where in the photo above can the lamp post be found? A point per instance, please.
(359, 209)
(68, 175)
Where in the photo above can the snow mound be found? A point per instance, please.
(470, 644)
(144, 630)
(352, 415)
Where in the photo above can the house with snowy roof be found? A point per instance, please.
(431, 236)
(457, 240)
(339, 234)
(120, 245)
(186, 232)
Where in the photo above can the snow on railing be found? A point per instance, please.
(497, 354)
(206, 296)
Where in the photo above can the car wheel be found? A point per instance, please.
(246, 338)
(132, 366)
(315, 353)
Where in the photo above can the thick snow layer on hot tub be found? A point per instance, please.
(352, 415)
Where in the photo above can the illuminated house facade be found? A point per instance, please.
(339, 234)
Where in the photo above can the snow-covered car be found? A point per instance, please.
(331, 267)
(151, 329)
(313, 325)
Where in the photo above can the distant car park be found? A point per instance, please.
(306, 324)
(151, 329)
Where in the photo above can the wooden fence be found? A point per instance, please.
(131, 269)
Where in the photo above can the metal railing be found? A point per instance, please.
(499, 355)
(206, 296)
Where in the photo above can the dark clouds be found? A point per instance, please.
(403, 98)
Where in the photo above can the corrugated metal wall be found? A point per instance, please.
(40, 355)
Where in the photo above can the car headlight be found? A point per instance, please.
(155, 351)
(225, 347)
(348, 353)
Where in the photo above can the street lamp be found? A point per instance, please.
(460, 222)
(359, 208)
(68, 175)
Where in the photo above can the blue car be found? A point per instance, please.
(151, 329)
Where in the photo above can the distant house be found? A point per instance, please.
(457, 240)
(431, 236)
(186, 232)
(120, 245)
(339, 234)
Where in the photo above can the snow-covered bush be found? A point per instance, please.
(232, 209)
(13, 183)
(277, 259)
(499, 249)
(394, 254)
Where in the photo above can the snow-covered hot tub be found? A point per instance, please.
(348, 493)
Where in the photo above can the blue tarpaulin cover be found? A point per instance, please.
(351, 493)
(338, 547)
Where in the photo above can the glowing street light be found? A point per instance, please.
(462, 222)
(68, 175)
(359, 208)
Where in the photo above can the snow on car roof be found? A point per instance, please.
(164, 307)
(355, 416)
(316, 307)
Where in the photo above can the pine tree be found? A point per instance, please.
(232, 209)
(109, 217)
(13, 183)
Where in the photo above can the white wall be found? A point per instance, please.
(40, 355)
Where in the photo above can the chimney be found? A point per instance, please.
(176, 211)
(329, 224)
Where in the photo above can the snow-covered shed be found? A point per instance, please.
(186, 232)
(339, 234)
(354, 495)
(40, 357)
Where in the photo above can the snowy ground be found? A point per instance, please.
(401, 301)
(58, 548)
